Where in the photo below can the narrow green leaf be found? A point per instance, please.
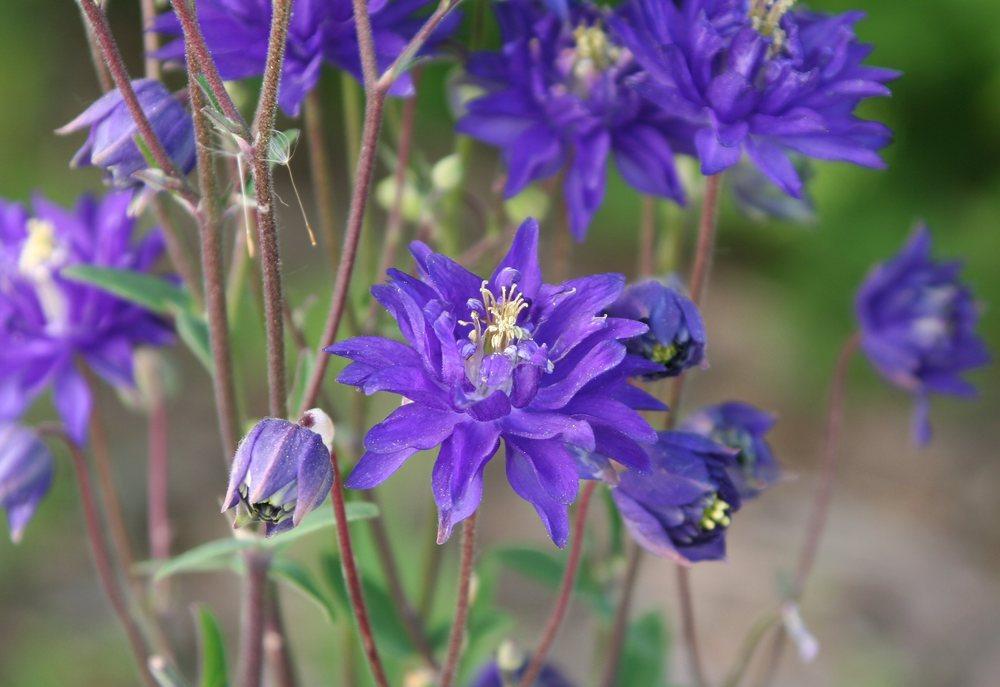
(218, 554)
(214, 672)
(194, 333)
(152, 293)
(321, 519)
(302, 581)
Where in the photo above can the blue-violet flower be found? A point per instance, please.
(918, 323)
(506, 358)
(48, 323)
(676, 337)
(26, 469)
(558, 97)
(681, 509)
(742, 427)
(111, 141)
(281, 471)
(758, 77)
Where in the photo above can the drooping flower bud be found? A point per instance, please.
(742, 427)
(676, 337)
(282, 471)
(26, 470)
(681, 509)
(918, 326)
(111, 143)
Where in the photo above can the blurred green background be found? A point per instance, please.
(908, 586)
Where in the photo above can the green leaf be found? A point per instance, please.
(214, 672)
(319, 519)
(644, 657)
(210, 556)
(152, 293)
(302, 581)
(220, 554)
(194, 333)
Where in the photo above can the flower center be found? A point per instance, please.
(593, 52)
(765, 16)
(497, 327)
(40, 248)
(716, 514)
(663, 354)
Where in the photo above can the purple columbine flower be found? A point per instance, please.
(111, 141)
(237, 33)
(506, 358)
(26, 470)
(682, 508)
(281, 471)
(918, 325)
(676, 337)
(742, 427)
(558, 97)
(757, 77)
(48, 324)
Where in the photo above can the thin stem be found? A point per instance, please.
(320, 171)
(394, 224)
(252, 624)
(431, 569)
(366, 45)
(150, 39)
(267, 230)
(619, 629)
(106, 483)
(413, 47)
(565, 590)
(210, 235)
(100, 69)
(102, 557)
(688, 625)
(457, 636)
(647, 237)
(411, 621)
(196, 48)
(119, 74)
(348, 256)
(831, 441)
(351, 576)
(706, 237)
(749, 648)
(157, 508)
(275, 644)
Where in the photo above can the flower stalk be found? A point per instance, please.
(565, 590)
(462, 603)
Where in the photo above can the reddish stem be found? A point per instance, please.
(565, 590)
(351, 576)
(462, 604)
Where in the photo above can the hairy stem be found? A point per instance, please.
(455, 640)
(688, 626)
(102, 557)
(267, 230)
(647, 237)
(275, 643)
(199, 54)
(252, 624)
(150, 39)
(706, 237)
(210, 235)
(157, 475)
(565, 590)
(351, 576)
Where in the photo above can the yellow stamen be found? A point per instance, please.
(498, 327)
(40, 246)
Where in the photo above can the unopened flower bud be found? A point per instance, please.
(282, 470)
